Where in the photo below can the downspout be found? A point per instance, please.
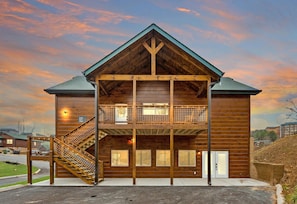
(210, 85)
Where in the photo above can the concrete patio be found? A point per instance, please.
(156, 182)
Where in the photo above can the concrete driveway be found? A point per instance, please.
(137, 194)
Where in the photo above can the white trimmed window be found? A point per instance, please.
(162, 157)
(9, 141)
(120, 158)
(143, 158)
(155, 109)
(187, 158)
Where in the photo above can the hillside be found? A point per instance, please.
(282, 151)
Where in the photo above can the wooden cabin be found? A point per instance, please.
(153, 105)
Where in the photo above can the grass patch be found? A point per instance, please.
(13, 169)
(25, 182)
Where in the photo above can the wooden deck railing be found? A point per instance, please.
(111, 114)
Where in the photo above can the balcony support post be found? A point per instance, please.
(97, 92)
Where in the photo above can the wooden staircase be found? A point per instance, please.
(71, 154)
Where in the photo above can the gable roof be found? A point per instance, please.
(76, 85)
(16, 136)
(229, 86)
(154, 28)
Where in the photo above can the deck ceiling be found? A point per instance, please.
(181, 132)
(136, 60)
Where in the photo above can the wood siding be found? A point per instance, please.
(230, 129)
(74, 106)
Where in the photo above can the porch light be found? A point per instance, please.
(130, 141)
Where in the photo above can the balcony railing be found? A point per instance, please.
(155, 114)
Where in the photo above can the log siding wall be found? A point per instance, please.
(230, 129)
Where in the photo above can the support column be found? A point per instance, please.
(134, 132)
(29, 160)
(51, 162)
(209, 133)
(97, 89)
(171, 110)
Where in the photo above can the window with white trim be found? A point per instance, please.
(187, 158)
(155, 109)
(162, 157)
(9, 141)
(120, 158)
(143, 158)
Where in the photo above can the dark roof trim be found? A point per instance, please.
(140, 35)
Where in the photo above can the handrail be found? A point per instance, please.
(72, 153)
(75, 129)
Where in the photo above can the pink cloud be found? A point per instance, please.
(185, 10)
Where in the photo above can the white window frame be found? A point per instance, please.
(9, 141)
(155, 109)
(144, 157)
(191, 158)
(117, 161)
(161, 158)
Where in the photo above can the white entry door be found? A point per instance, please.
(121, 113)
(219, 164)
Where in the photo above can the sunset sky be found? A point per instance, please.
(46, 42)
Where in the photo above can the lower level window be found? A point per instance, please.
(9, 141)
(187, 158)
(162, 157)
(119, 158)
(143, 157)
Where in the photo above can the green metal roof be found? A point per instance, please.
(77, 85)
(16, 136)
(166, 35)
(229, 86)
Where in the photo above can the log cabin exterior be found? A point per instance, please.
(149, 104)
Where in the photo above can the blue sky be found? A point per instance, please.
(45, 42)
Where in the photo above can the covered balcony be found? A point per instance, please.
(153, 119)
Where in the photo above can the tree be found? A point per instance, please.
(293, 110)
(272, 135)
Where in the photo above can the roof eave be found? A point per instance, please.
(236, 92)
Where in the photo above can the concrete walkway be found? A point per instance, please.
(157, 182)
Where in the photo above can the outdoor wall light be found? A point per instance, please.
(130, 141)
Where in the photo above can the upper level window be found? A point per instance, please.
(155, 109)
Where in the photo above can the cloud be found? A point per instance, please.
(69, 18)
(185, 10)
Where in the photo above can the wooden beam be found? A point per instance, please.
(51, 155)
(134, 157)
(153, 50)
(171, 131)
(134, 118)
(128, 77)
(29, 160)
(103, 89)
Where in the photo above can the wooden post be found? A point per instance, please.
(97, 85)
(134, 114)
(29, 161)
(51, 162)
(171, 110)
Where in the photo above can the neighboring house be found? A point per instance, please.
(152, 98)
(288, 129)
(12, 140)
